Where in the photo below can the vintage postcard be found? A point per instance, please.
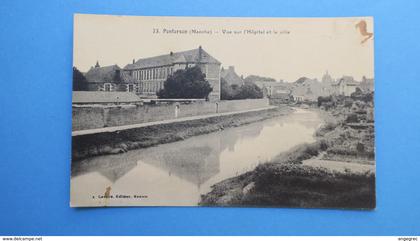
(198, 111)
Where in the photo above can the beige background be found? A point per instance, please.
(313, 45)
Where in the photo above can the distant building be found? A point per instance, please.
(279, 94)
(149, 74)
(260, 81)
(306, 89)
(346, 85)
(367, 85)
(231, 77)
(327, 83)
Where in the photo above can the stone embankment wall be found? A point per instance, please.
(98, 116)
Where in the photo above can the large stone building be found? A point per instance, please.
(148, 75)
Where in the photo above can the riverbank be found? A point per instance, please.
(121, 141)
(289, 180)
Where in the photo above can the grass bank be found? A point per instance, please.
(286, 182)
(294, 185)
(118, 142)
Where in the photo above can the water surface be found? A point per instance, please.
(176, 174)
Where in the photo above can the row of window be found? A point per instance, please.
(151, 86)
(145, 87)
(156, 73)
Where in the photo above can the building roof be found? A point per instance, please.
(102, 74)
(281, 91)
(231, 77)
(347, 80)
(189, 56)
(127, 78)
(88, 97)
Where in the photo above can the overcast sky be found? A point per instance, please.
(301, 47)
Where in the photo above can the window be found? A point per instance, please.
(130, 88)
(107, 87)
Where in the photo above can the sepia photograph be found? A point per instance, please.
(217, 111)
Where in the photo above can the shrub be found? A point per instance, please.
(235, 92)
(249, 91)
(352, 118)
(188, 83)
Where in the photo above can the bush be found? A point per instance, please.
(227, 91)
(249, 91)
(327, 127)
(235, 92)
(352, 118)
(304, 186)
(188, 83)
(79, 81)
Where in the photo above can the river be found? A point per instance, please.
(176, 174)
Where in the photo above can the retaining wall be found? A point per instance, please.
(92, 117)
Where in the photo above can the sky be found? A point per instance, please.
(281, 48)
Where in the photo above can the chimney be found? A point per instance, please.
(134, 60)
(171, 53)
(97, 65)
(200, 54)
(232, 68)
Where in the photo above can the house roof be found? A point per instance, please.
(347, 80)
(127, 78)
(281, 91)
(189, 56)
(86, 97)
(102, 74)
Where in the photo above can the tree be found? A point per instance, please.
(189, 83)
(249, 91)
(358, 94)
(227, 92)
(234, 92)
(79, 81)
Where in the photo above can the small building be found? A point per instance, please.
(105, 78)
(346, 85)
(279, 94)
(306, 89)
(231, 77)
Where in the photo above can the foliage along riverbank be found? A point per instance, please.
(122, 141)
(346, 136)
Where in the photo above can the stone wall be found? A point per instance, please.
(92, 117)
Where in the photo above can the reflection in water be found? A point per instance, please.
(177, 173)
(183, 163)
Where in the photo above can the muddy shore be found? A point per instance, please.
(118, 142)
